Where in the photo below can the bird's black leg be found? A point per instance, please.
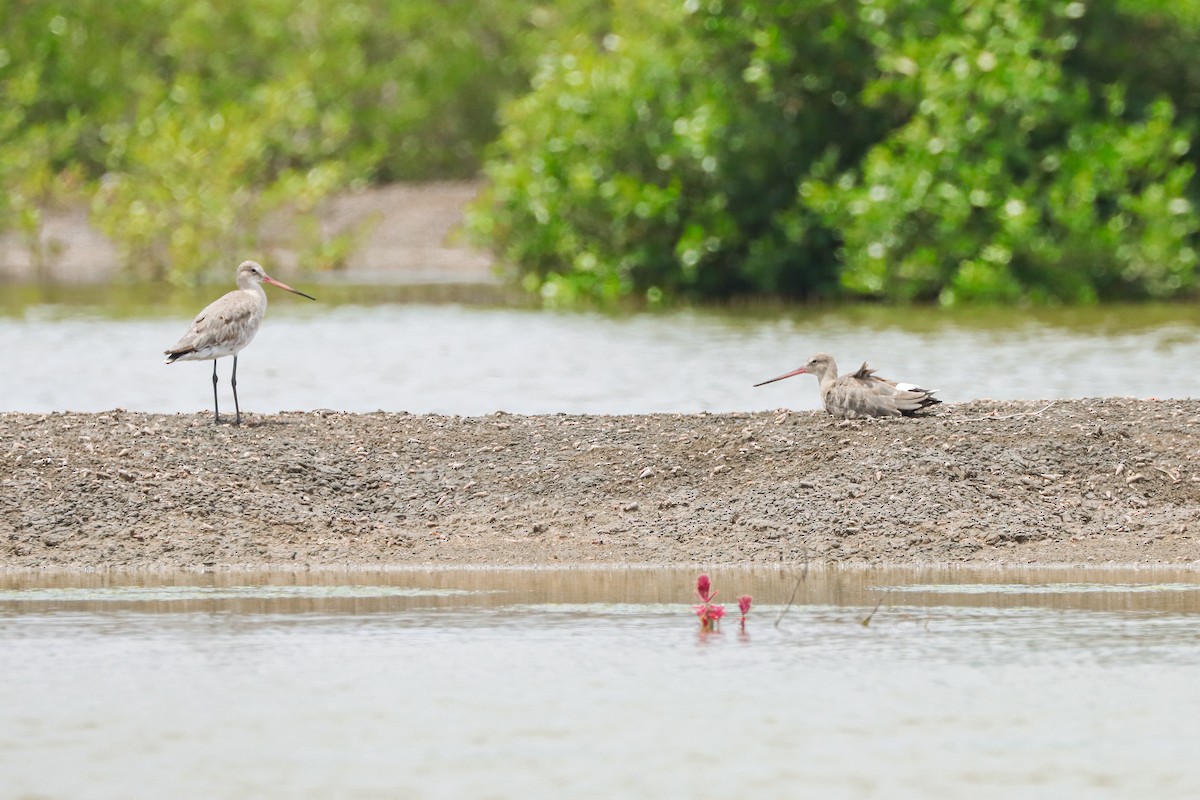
(237, 420)
(216, 408)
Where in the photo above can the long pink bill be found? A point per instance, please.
(799, 371)
(285, 287)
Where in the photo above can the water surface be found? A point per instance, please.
(468, 360)
(597, 683)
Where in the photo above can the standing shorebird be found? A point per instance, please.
(227, 325)
(862, 394)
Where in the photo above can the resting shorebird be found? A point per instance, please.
(227, 325)
(862, 394)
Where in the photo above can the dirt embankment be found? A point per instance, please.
(1074, 482)
(409, 233)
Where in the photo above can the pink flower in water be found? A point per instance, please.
(744, 606)
(709, 615)
(707, 611)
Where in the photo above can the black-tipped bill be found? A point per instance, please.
(799, 371)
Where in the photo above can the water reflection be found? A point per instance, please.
(594, 683)
(399, 590)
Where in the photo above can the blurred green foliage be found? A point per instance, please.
(908, 150)
(664, 158)
(192, 121)
(1009, 179)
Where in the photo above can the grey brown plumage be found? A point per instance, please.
(862, 393)
(227, 325)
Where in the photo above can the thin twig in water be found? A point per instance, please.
(865, 621)
(796, 588)
(994, 417)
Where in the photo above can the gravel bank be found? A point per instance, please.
(1069, 482)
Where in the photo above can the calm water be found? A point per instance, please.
(596, 683)
(465, 360)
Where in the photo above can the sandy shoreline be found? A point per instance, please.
(412, 233)
(1080, 482)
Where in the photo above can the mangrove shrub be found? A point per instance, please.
(905, 150)
(190, 122)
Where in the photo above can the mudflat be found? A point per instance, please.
(1074, 482)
